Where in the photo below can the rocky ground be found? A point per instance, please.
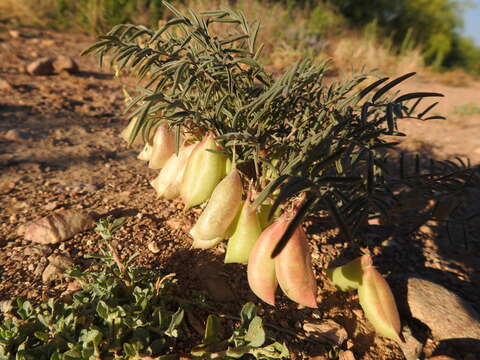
(60, 149)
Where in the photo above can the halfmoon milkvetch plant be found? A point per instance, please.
(299, 136)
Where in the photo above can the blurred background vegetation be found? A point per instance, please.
(392, 35)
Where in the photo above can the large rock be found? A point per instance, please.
(57, 268)
(411, 347)
(346, 355)
(42, 66)
(65, 63)
(52, 273)
(58, 226)
(61, 261)
(446, 314)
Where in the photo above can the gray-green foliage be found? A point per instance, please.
(120, 312)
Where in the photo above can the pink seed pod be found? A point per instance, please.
(293, 267)
(378, 303)
(163, 147)
(261, 267)
(222, 208)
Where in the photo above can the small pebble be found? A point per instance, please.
(153, 247)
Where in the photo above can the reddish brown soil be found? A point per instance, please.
(72, 157)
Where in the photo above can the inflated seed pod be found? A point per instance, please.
(261, 267)
(204, 170)
(246, 233)
(127, 133)
(378, 303)
(163, 147)
(221, 210)
(293, 267)
(263, 215)
(146, 152)
(349, 276)
(228, 166)
(167, 183)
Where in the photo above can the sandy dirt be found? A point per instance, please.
(68, 154)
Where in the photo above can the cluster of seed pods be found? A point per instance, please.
(374, 293)
(201, 173)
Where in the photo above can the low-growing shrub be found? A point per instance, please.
(127, 312)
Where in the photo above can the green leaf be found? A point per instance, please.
(247, 61)
(370, 87)
(255, 334)
(175, 323)
(248, 312)
(269, 189)
(417, 95)
(129, 350)
(41, 335)
(345, 229)
(55, 355)
(93, 336)
(238, 351)
(292, 187)
(212, 330)
(391, 85)
(272, 351)
(102, 310)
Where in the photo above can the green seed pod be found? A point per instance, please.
(349, 276)
(163, 147)
(228, 166)
(293, 267)
(378, 303)
(246, 233)
(263, 215)
(204, 171)
(167, 183)
(221, 210)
